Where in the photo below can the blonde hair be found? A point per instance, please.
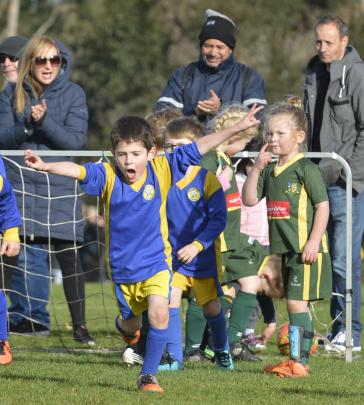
(33, 48)
(230, 116)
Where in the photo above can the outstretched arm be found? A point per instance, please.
(67, 169)
(209, 142)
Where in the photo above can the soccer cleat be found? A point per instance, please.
(241, 351)
(287, 368)
(149, 383)
(223, 360)
(168, 363)
(5, 353)
(194, 356)
(81, 335)
(128, 339)
(130, 357)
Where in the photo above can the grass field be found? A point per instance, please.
(53, 370)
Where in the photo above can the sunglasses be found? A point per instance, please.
(11, 58)
(54, 60)
(169, 147)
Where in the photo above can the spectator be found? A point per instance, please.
(10, 50)
(202, 87)
(45, 111)
(334, 104)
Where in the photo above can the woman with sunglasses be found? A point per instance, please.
(45, 111)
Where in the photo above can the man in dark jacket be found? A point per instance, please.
(202, 87)
(334, 103)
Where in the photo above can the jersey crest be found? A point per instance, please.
(292, 188)
(149, 192)
(194, 194)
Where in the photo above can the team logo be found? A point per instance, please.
(193, 194)
(292, 188)
(148, 192)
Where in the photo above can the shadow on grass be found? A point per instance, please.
(326, 393)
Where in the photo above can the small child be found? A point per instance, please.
(298, 212)
(10, 246)
(196, 213)
(138, 253)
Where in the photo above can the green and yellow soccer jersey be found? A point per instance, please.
(292, 191)
(215, 161)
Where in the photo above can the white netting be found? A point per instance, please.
(98, 299)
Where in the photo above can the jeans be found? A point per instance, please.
(29, 289)
(337, 243)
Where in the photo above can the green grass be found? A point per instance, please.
(49, 370)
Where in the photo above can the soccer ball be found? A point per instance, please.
(130, 358)
(283, 341)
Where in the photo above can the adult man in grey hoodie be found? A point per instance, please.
(334, 103)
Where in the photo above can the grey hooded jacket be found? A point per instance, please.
(342, 129)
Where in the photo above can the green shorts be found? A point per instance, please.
(307, 282)
(244, 261)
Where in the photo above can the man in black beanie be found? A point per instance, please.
(203, 87)
(10, 51)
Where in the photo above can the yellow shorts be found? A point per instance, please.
(132, 299)
(204, 289)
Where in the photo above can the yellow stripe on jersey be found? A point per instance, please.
(11, 234)
(306, 282)
(264, 263)
(1, 183)
(302, 218)
(82, 173)
(279, 169)
(319, 270)
(325, 245)
(189, 177)
(137, 185)
(106, 197)
(223, 243)
(217, 245)
(163, 172)
(211, 185)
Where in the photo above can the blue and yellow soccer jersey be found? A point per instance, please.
(196, 211)
(136, 229)
(9, 214)
(292, 191)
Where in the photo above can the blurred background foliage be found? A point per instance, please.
(124, 51)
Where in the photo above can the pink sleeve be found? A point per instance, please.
(225, 183)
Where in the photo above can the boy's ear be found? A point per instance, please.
(152, 153)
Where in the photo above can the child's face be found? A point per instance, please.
(171, 143)
(283, 139)
(132, 159)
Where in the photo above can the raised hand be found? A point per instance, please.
(39, 110)
(263, 159)
(33, 161)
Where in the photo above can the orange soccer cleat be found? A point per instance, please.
(5, 353)
(287, 368)
(149, 383)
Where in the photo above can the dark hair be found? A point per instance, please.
(132, 129)
(185, 127)
(337, 21)
(158, 121)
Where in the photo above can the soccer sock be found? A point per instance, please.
(195, 326)
(300, 336)
(226, 303)
(218, 332)
(174, 342)
(3, 321)
(156, 342)
(240, 314)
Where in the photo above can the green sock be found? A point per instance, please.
(240, 314)
(226, 303)
(195, 326)
(303, 320)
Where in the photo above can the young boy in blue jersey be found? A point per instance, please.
(138, 254)
(10, 246)
(196, 212)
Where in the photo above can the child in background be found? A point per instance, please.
(298, 212)
(10, 246)
(138, 253)
(196, 213)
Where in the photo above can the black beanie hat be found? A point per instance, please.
(12, 46)
(218, 26)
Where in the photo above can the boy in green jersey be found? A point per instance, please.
(298, 212)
